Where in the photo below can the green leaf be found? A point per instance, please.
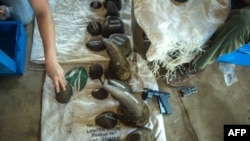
(77, 77)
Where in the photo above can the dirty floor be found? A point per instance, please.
(198, 117)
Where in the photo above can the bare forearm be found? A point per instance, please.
(47, 32)
(46, 27)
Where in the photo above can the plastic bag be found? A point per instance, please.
(229, 73)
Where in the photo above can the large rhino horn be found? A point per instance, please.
(118, 60)
(121, 84)
(132, 111)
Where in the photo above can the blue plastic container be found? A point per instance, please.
(13, 41)
(239, 57)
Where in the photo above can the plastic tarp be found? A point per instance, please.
(75, 121)
(178, 31)
(71, 18)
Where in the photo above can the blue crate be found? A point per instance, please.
(13, 40)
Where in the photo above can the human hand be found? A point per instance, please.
(56, 74)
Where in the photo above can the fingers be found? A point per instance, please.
(56, 73)
(56, 85)
(60, 84)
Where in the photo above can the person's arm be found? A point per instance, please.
(47, 31)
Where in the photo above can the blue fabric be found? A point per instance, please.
(22, 10)
(239, 57)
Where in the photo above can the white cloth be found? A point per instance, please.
(182, 28)
(75, 121)
(71, 18)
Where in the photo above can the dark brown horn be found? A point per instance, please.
(118, 60)
(132, 111)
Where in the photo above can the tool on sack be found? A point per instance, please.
(162, 99)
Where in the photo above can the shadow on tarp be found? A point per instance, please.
(239, 57)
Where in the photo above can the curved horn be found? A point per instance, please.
(132, 111)
(120, 84)
(125, 99)
(118, 60)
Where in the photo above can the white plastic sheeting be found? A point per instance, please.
(181, 28)
(71, 18)
(75, 121)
